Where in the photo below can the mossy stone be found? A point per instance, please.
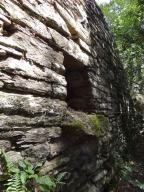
(90, 124)
(99, 124)
(75, 123)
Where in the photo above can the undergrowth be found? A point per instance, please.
(24, 177)
(123, 176)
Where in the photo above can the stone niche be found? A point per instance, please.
(62, 89)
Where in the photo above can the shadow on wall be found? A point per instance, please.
(93, 88)
(79, 92)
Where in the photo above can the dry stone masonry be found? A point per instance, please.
(62, 90)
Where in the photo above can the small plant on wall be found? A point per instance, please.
(23, 178)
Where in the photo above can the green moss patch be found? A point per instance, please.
(99, 124)
(96, 125)
(75, 123)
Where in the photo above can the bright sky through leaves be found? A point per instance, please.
(102, 1)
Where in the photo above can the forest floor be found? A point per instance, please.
(137, 174)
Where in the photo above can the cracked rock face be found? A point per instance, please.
(58, 71)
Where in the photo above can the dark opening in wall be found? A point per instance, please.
(79, 91)
(9, 30)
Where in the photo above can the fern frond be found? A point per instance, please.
(8, 166)
(24, 177)
(14, 184)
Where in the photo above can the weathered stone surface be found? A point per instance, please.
(10, 50)
(5, 144)
(7, 42)
(70, 47)
(37, 153)
(45, 11)
(61, 101)
(1, 27)
(29, 70)
(37, 50)
(21, 17)
(5, 19)
(14, 156)
(76, 29)
(28, 104)
(2, 52)
(41, 135)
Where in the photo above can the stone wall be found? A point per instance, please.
(62, 90)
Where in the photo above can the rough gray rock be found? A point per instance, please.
(60, 93)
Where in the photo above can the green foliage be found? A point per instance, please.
(139, 184)
(126, 171)
(24, 178)
(124, 18)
